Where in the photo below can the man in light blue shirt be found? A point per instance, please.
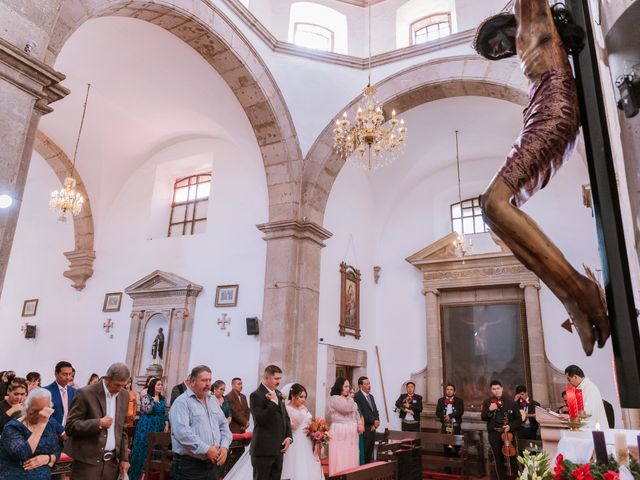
(200, 434)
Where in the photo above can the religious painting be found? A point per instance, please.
(483, 342)
(112, 302)
(349, 300)
(227, 295)
(29, 307)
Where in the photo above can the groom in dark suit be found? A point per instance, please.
(369, 412)
(272, 430)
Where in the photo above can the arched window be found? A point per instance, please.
(466, 217)
(189, 205)
(431, 28)
(315, 26)
(313, 36)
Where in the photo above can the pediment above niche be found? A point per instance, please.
(442, 250)
(163, 283)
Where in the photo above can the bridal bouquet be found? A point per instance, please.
(318, 431)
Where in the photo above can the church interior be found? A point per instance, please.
(217, 208)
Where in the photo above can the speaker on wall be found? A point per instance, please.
(252, 326)
(30, 331)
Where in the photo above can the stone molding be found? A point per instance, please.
(293, 228)
(82, 257)
(80, 267)
(32, 76)
(437, 79)
(174, 297)
(362, 63)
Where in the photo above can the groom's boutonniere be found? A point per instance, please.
(281, 395)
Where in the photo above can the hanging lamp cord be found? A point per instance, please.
(458, 167)
(84, 111)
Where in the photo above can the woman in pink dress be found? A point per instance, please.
(344, 451)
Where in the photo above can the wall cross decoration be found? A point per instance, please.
(108, 325)
(223, 321)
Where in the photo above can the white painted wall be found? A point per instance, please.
(147, 123)
(406, 207)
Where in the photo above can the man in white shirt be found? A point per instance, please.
(591, 395)
(96, 426)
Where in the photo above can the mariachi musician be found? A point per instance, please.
(529, 428)
(450, 410)
(410, 407)
(503, 418)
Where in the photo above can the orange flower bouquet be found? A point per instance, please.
(318, 431)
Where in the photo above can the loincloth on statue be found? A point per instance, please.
(550, 126)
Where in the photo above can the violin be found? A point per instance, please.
(508, 450)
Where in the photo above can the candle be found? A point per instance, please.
(600, 445)
(579, 400)
(622, 452)
(572, 402)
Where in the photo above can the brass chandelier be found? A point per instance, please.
(68, 199)
(376, 143)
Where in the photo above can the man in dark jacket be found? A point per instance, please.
(370, 415)
(410, 407)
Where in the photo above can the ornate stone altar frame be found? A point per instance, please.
(487, 277)
(175, 298)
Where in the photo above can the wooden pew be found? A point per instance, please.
(370, 471)
(433, 456)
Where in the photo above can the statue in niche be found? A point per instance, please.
(157, 348)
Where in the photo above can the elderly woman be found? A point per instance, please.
(30, 446)
(12, 406)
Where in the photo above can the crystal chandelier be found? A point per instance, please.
(376, 143)
(461, 246)
(68, 199)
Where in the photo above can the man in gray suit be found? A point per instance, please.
(96, 426)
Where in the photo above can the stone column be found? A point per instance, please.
(537, 355)
(27, 86)
(289, 326)
(434, 345)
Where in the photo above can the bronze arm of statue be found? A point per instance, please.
(542, 37)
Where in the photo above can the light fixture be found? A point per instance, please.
(461, 246)
(376, 144)
(68, 199)
(5, 201)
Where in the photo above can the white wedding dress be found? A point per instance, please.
(299, 462)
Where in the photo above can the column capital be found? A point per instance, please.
(299, 229)
(430, 290)
(530, 284)
(80, 267)
(32, 76)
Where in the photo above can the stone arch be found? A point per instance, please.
(82, 257)
(434, 80)
(209, 32)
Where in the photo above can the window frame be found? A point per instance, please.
(331, 38)
(475, 203)
(426, 22)
(194, 203)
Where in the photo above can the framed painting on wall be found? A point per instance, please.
(227, 295)
(30, 307)
(349, 300)
(112, 302)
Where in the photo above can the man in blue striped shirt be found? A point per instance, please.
(200, 434)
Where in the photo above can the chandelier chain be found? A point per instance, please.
(458, 167)
(84, 111)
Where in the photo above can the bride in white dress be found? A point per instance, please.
(300, 462)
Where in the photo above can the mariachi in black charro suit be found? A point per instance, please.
(413, 403)
(507, 413)
(272, 426)
(457, 410)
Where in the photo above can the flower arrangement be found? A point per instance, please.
(567, 470)
(535, 466)
(538, 467)
(318, 431)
